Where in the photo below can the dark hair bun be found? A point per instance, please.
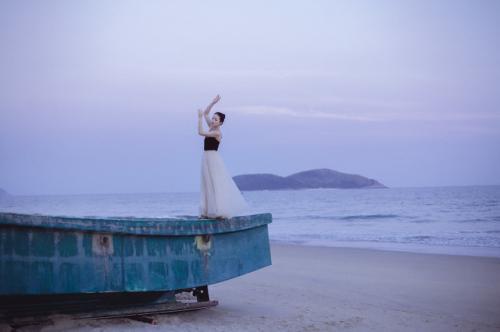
(222, 116)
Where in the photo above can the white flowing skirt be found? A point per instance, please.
(220, 197)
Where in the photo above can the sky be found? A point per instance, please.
(101, 96)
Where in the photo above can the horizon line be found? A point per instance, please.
(193, 192)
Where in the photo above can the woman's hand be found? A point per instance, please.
(216, 100)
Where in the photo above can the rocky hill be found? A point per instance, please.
(316, 178)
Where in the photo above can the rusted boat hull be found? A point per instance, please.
(65, 255)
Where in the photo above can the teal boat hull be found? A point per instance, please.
(43, 255)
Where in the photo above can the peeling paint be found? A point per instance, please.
(203, 242)
(102, 244)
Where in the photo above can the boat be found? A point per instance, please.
(64, 262)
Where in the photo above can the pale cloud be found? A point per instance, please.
(378, 116)
(284, 111)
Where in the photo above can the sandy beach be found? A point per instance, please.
(340, 289)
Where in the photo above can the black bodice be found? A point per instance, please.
(210, 143)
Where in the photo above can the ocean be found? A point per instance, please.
(447, 220)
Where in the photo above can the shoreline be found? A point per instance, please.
(340, 289)
(469, 251)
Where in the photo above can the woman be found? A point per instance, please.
(220, 198)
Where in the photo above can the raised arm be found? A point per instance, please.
(209, 108)
(201, 132)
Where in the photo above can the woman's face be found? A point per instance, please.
(215, 120)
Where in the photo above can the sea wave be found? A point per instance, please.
(369, 216)
(348, 217)
(476, 241)
(476, 220)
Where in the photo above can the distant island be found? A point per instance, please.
(315, 178)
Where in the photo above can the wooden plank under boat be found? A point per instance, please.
(63, 256)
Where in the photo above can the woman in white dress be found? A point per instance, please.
(220, 197)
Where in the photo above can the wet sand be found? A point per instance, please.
(340, 289)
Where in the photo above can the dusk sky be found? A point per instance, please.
(102, 96)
